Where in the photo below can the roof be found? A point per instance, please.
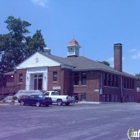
(82, 63)
(9, 73)
(73, 42)
(57, 58)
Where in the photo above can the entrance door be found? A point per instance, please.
(83, 97)
(35, 84)
(38, 82)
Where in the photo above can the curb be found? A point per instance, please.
(5, 104)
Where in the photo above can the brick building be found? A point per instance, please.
(75, 75)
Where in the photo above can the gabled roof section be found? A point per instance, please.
(58, 59)
(38, 60)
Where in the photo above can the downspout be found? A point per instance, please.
(121, 91)
(101, 83)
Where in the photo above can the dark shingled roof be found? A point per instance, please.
(81, 63)
(58, 59)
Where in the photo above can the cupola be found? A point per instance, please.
(73, 48)
(47, 50)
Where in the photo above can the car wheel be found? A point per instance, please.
(59, 102)
(22, 103)
(37, 104)
(46, 105)
(67, 104)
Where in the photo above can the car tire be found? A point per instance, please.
(46, 105)
(37, 104)
(59, 102)
(22, 103)
(67, 104)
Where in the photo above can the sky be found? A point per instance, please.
(96, 24)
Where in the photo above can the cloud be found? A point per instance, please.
(112, 59)
(42, 3)
(136, 55)
(132, 50)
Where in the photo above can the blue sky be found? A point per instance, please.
(95, 24)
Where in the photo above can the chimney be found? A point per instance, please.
(118, 57)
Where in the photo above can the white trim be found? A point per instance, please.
(73, 45)
(29, 77)
(38, 60)
(66, 66)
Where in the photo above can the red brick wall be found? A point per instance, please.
(138, 97)
(128, 94)
(93, 82)
(50, 77)
(118, 56)
(64, 80)
(67, 81)
(16, 78)
(10, 80)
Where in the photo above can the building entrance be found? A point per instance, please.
(38, 81)
(83, 97)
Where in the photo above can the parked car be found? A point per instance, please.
(8, 99)
(60, 99)
(37, 100)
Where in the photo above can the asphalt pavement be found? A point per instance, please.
(75, 122)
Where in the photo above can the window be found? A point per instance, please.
(133, 84)
(109, 79)
(117, 81)
(55, 76)
(83, 78)
(76, 78)
(124, 82)
(47, 94)
(20, 78)
(105, 79)
(113, 80)
(54, 93)
(128, 83)
(32, 96)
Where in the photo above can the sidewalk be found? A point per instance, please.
(9, 103)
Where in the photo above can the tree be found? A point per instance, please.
(104, 62)
(138, 80)
(34, 43)
(17, 46)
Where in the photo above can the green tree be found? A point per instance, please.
(17, 44)
(104, 62)
(34, 43)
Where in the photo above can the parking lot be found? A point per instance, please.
(75, 122)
